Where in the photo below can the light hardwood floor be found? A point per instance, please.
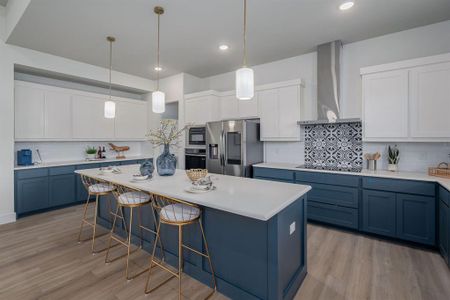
(39, 259)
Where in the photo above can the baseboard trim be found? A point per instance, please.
(7, 218)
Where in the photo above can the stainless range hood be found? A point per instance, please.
(328, 85)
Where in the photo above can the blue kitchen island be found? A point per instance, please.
(256, 231)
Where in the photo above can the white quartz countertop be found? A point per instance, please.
(78, 162)
(253, 198)
(379, 173)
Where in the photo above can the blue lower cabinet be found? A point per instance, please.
(379, 213)
(333, 194)
(273, 174)
(416, 218)
(332, 214)
(62, 189)
(444, 230)
(31, 194)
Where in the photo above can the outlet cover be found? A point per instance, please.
(292, 228)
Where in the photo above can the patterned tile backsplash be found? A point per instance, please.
(334, 146)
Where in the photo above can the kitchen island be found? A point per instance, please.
(256, 231)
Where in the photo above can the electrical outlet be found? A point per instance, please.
(292, 228)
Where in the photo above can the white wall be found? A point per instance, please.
(422, 41)
(11, 55)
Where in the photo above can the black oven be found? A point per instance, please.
(195, 159)
(196, 136)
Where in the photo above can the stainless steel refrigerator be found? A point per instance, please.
(233, 146)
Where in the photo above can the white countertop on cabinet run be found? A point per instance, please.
(78, 162)
(379, 173)
(253, 198)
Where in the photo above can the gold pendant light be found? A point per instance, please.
(110, 106)
(245, 89)
(158, 97)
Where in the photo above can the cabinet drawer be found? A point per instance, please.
(332, 194)
(400, 186)
(32, 173)
(342, 216)
(325, 178)
(62, 170)
(277, 174)
(444, 195)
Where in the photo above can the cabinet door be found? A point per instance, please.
(385, 105)
(131, 120)
(58, 115)
(268, 112)
(430, 101)
(444, 229)
(81, 190)
(195, 110)
(248, 108)
(88, 119)
(229, 107)
(62, 189)
(289, 112)
(379, 214)
(416, 219)
(32, 194)
(29, 112)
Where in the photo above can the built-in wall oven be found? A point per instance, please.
(196, 137)
(195, 158)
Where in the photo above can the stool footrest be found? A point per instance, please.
(195, 251)
(165, 268)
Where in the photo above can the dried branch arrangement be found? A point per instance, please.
(167, 134)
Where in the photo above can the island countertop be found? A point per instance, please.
(253, 198)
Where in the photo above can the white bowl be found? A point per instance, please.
(139, 177)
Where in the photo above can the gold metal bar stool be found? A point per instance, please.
(175, 212)
(130, 198)
(95, 188)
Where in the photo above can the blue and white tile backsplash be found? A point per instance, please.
(334, 146)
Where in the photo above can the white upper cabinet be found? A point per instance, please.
(201, 108)
(279, 110)
(131, 120)
(88, 119)
(430, 101)
(58, 115)
(29, 112)
(385, 98)
(408, 100)
(50, 113)
(229, 107)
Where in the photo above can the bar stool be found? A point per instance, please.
(175, 212)
(130, 198)
(95, 188)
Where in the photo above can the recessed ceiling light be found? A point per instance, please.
(346, 5)
(158, 69)
(223, 47)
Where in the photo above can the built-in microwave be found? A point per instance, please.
(196, 136)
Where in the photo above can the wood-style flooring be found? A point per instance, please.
(40, 259)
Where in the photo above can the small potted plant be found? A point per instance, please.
(91, 152)
(393, 158)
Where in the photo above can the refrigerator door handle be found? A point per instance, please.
(221, 149)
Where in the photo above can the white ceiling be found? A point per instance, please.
(3, 2)
(193, 29)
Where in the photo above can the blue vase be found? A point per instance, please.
(147, 168)
(166, 163)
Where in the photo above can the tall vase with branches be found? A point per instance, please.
(167, 135)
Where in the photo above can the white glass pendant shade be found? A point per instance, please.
(158, 102)
(245, 86)
(110, 109)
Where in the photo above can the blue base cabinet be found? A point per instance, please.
(379, 213)
(42, 189)
(444, 224)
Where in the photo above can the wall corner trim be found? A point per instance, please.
(6, 218)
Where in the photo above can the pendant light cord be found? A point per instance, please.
(244, 63)
(157, 58)
(110, 67)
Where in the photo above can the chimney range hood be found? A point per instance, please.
(328, 85)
